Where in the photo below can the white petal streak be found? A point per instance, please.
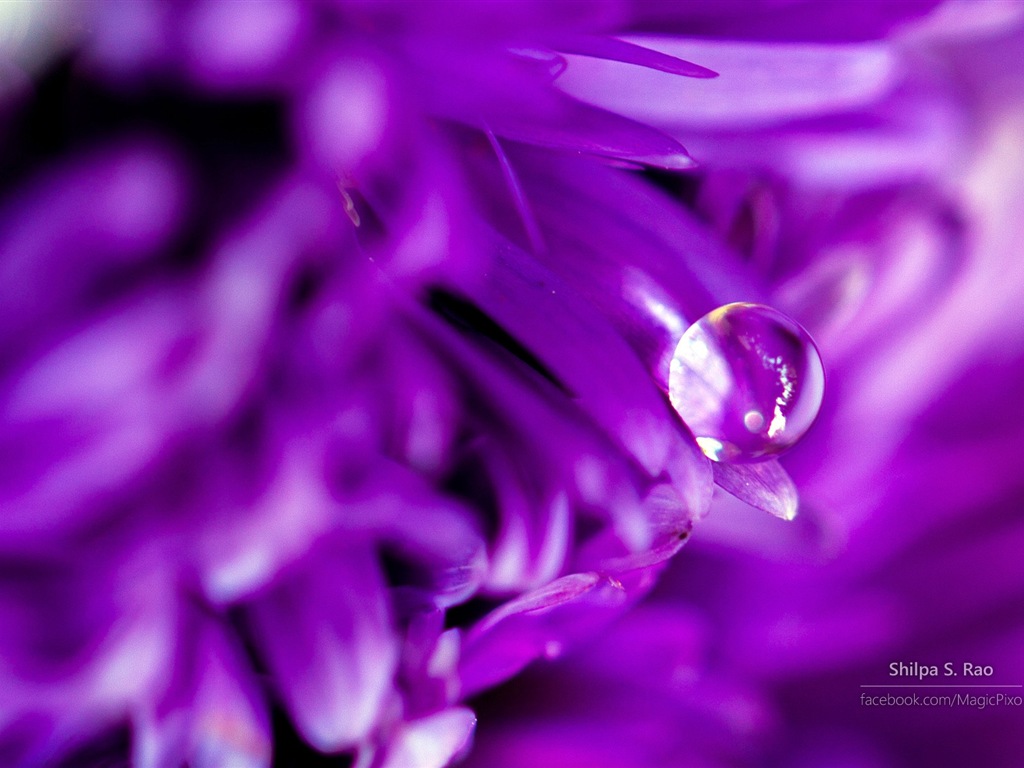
(759, 82)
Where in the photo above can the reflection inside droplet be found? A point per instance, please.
(747, 380)
(753, 421)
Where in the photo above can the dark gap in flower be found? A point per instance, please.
(743, 231)
(43, 129)
(107, 287)
(470, 612)
(290, 751)
(236, 146)
(469, 480)
(586, 528)
(304, 287)
(61, 629)
(245, 438)
(238, 150)
(400, 571)
(465, 316)
(684, 187)
(110, 749)
(237, 619)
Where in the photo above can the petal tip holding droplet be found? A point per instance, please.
(748, 381)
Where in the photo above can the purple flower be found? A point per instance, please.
(757, 642)
(345, 372)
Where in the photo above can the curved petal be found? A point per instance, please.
(614, 49)
(213, 714)
(759, 85)
(432, 742)
(325, 634)
(764, 485)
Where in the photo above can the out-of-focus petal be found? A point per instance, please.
(102, 218)
(325, 634)
(804, 20)
(759, 84)
(432, 742)
(252, 45)
(212, 715)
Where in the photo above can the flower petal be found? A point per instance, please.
(543, 622)
(528, 300)
(109, 212)
(649, 282)
(213, 715)
(764, 485)
(324, 632)
(524, 629)
(614, 49)
(432, 742)
(502, 95)
(759, 84)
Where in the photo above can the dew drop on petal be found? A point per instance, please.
(747, 380)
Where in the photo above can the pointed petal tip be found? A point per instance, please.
(788, 513)
(615, 49)
(764, 485)
(677, 161)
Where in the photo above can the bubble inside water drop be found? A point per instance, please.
(747, 380)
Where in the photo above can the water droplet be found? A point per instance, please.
(748, 382)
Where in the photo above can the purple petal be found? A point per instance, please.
(104, 215)
(325, 634)
(524, 629)
(578, 127)
(764, 485)
(402, 190)
(759, 84)
(571, 455)
(213, 715)
(528, 300)
(432, 742)
(531, 544)
(667, 522)
(544, 622)
(915, 133)
(614, 49)
(439, 536)
(430, 660)
(676, 270)
(501, 95)
(253, 539)
(232, 46)
(85, 634)
(99, 408)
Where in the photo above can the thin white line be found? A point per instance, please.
(926, 685)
